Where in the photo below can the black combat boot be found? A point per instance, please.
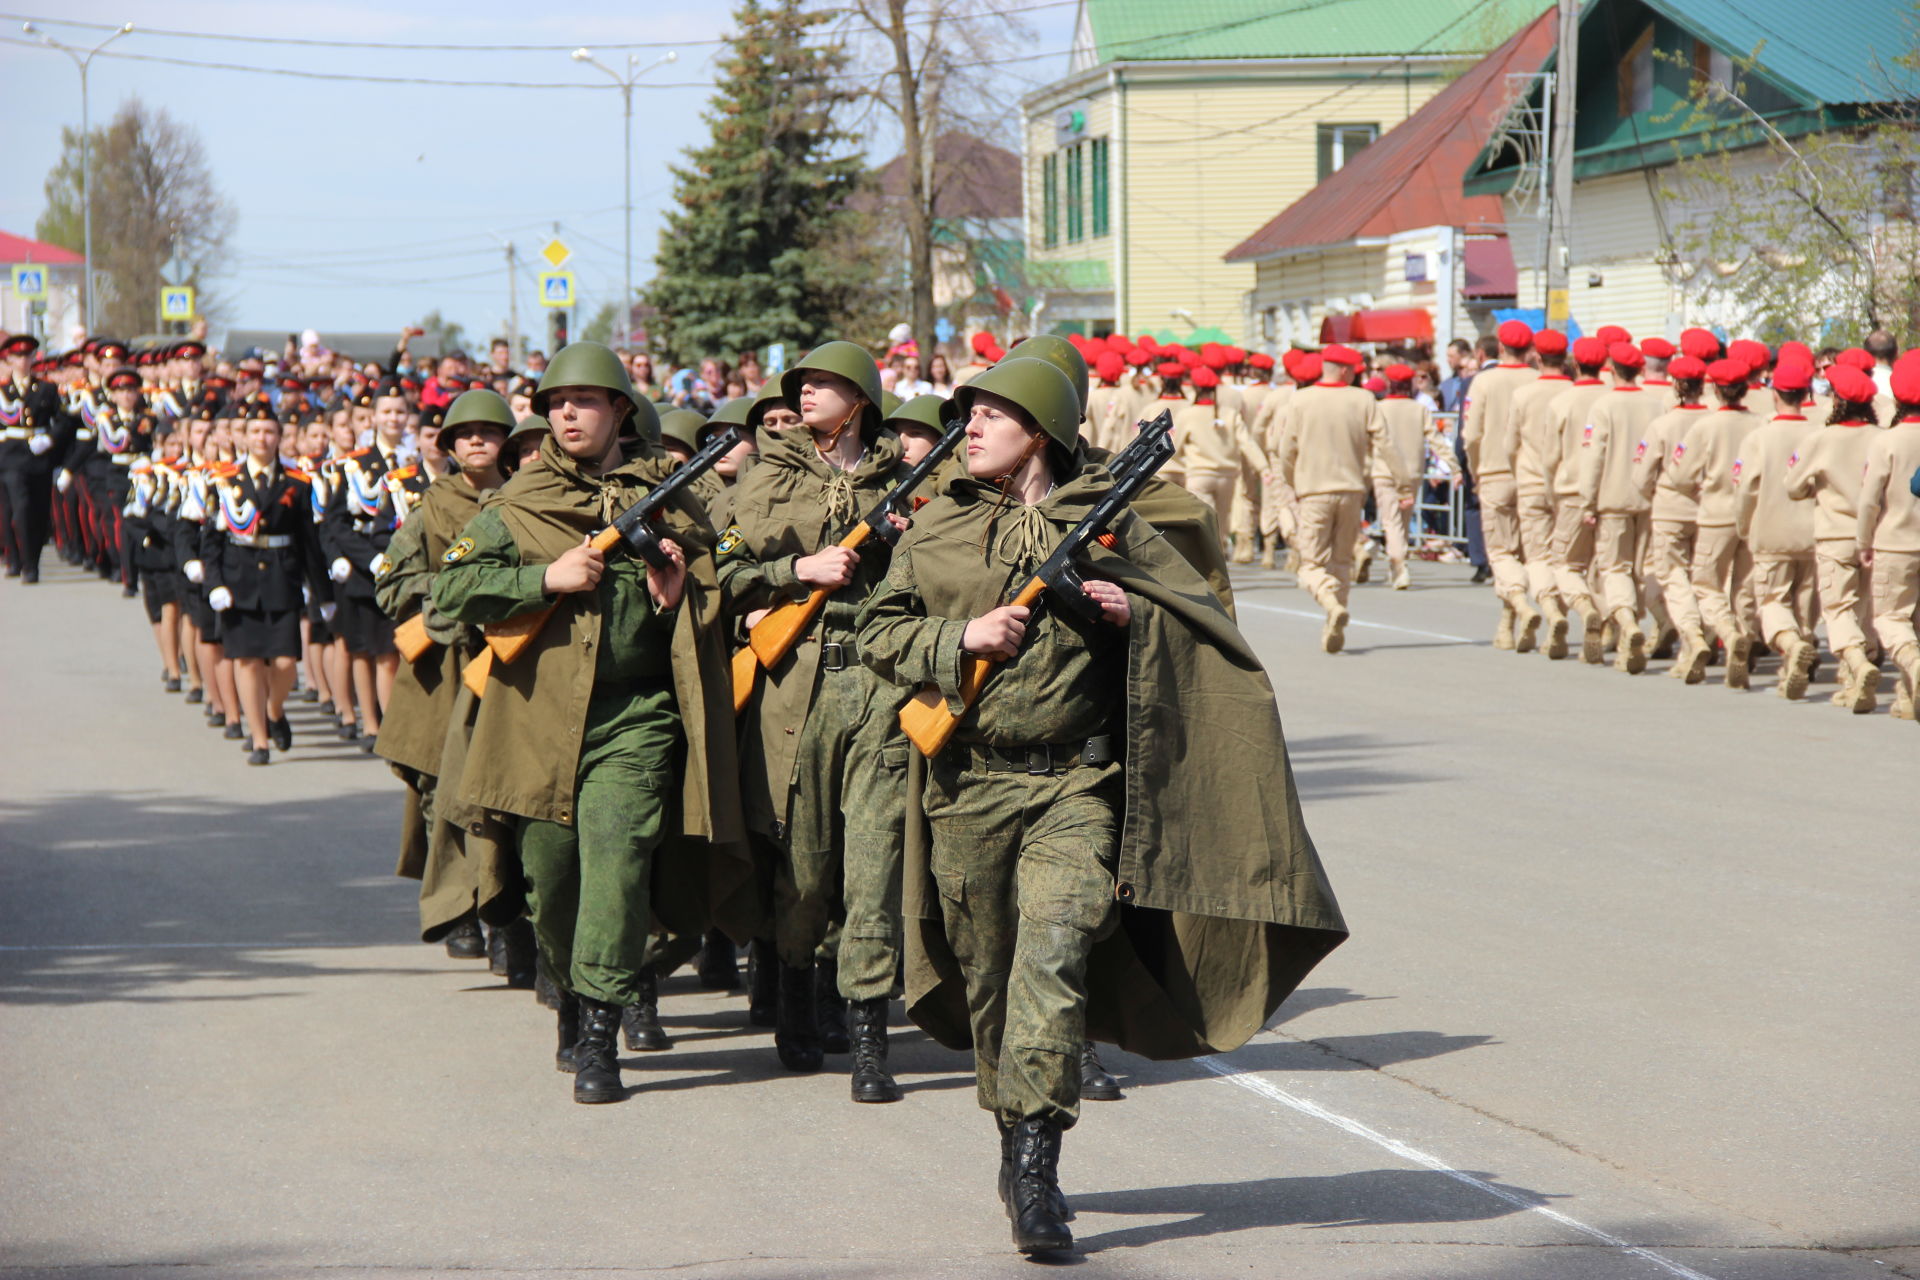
(830, 1007)
(497, 951)
(796, 1036)
(763, 984)
(719, 964)
(1007, 1169)
(640, 1021)
(520, 952)
(867, 1025)
(1039, 1223)
(597, 1074)
(465, 942)
(1096, 1085)
(568, 1007)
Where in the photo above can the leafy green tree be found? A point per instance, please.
(451, 333)
(600, 328)
(755, 250)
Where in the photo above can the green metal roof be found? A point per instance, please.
(1849, 62)
(1133, 30)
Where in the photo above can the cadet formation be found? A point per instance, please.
(866, 686)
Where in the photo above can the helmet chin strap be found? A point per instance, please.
(833, 437)
(1034, 445)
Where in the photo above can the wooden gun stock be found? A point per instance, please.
(926, 719)
(776, 634)
(508, 640)
(746, 670)
(474, 674)
(411, 638)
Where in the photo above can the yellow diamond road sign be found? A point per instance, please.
(556, 253)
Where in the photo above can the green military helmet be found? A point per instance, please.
(923, 411)
(1037, 386)
(479, 407)
(682, 426)
(1059, 353)
(529, 425)
(731, 414)
(589, 364)
(770, 397)
(888, 403)
(848, 360)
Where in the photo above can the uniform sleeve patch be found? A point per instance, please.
(458, 551)
(730, 541)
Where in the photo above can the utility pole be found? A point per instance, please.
(1560, 205)
(623, 314)
(515, 355)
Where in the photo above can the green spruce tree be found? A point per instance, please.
(754, 249)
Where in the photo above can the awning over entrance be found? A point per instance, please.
(1412, 324)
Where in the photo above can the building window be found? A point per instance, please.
(1710, 66)
(1340, 143)
(1102, 197)
(1076, 194)
(1050, 198)
(1636, 76)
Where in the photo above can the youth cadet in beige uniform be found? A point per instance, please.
(1248, 494)
(1888, 532)
(1338, 433)
(1407, 424)
(1112, 406)
(1702, 468)
(1777, 528)
(1675, 516)
(1572, 536)
(1279, 505)
(1209, 435)
(1486, 434)
(1831, 468)
(1610, 501)
(1530, 424)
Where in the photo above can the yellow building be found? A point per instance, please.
(1179, 128)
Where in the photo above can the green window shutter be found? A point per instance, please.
(1101, 190)
(1076, 194)
(1050, 199)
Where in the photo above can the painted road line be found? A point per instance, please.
(1317, 616)
(1266, 1089)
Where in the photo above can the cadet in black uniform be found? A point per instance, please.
(29, 409)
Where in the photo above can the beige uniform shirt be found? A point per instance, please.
(1528, 423)
(1702, 463)
(1653, 467)
(1111, 415)
(1207, 438)
(1337, 433)
(968, 372)
(1616, 424)
(1407, 425)
(1770, 520)
(1486, 429)
(1889, 517)
(1566, 426)
(1829, 469)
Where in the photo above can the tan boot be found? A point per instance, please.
(1739, 657)
(1526, 627)
(1503, 633)
(1632, 655)
(1556, 645)
(1401, 578)
(1796, 668)
(1861, 692)
(1592, 640)
(1902, 708)
(1692, 665)
(1907, 659)
(1242, 549)
(1266, 556)
(1363, 563)
(1666, 645)
(1293, 562)
(1333, 636)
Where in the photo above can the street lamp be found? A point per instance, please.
(626, 82)
(83, 61)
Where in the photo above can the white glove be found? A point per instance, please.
(195, 571)
(221, 599)
(40, 443)
(341, 569)
(327, 611)
(306, 594)
(63, 479)
(378, 565)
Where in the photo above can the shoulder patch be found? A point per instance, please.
(730, 541)
(458, 551)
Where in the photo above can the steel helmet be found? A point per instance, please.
(682, 425)
(589, 364)
(528, 425)
(770, 397)
(850, 362)
(731, 414)
(926, 411)
(1038, 387)
(476, 407)
(1062, 355)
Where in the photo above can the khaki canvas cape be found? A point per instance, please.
(1224, 907)
(525, 749)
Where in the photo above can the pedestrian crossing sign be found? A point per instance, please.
(556, 288)
(176, 302)
(29, 282)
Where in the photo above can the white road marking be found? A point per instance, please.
(1266, 1089)
(1317, 616)
(186, 946)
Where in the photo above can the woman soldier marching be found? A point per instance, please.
(1031, 862)
(825, 780)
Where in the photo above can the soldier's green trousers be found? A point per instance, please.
(589, 885)
(1025, 869)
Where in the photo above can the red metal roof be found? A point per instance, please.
(20, 249)
(1412, 176)
(1489, 268)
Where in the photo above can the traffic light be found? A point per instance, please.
(557, 330)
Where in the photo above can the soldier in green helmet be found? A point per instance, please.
(1015, 888)
(824, 763)
(523, 442)
(612, 735)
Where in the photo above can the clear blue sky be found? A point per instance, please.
(364, 206)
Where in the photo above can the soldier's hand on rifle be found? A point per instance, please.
(828, 567)
(1112, 600)
(667, 585)
(997, 633)
(899, 522)
(579, 569)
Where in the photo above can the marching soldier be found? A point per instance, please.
(1486, 433)
(1776, 527)
(1887, 531)
(1610, 501)
(1530, 423)
(1853, 396)
(1674, 516)
(1702, 468)
(1573, 537)
(1407, 425)
(1112, 408)
(1211, 453)
(1830, 471)
(28, 428)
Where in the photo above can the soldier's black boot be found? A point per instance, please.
(640, 1021)
(497, 952)
(867, 1027)
(1039, 1222)
(568, 1007)
(719, 965)
(796, 1036)
(1096, 1085)
(830, 1007)
(521, 953)
(763, 984)
(464, 941)
(1007, 1171)
(597, 1078)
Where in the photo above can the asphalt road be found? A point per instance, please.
(1630, 994)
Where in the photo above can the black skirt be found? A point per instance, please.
(158, 589)
(261, 633)
(360, 623)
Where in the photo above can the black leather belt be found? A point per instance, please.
(837, 655)
(1041, 761)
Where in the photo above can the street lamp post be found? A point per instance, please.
(624, 315)
(83, 61)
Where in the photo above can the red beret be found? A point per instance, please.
(1851, 384)
(1399, 373)
(1117, 343)
(1290, 361)
(1172, 369)
(1308, 367)
(1626, 355)
(1855, 356)
(1700, 344)
(1754, 353)
(983, 343)
(1191, 359)
(1550, 342)
(1109, 365)
(1214, 357)
(1376, 384)
(1590, 351)
(1139, 359)
(1729, 372)
(1260, 360)
(1236, 355)
(1205, 376)
(1338, 354)
(1796, 352)
(1792, 376)
(1148, 343)
(1657, 349)
(1516, 334)
(1906, 382)
(1612, 333)
(1687, 367)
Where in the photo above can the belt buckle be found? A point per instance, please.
(833, 656)
(1039, 761)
